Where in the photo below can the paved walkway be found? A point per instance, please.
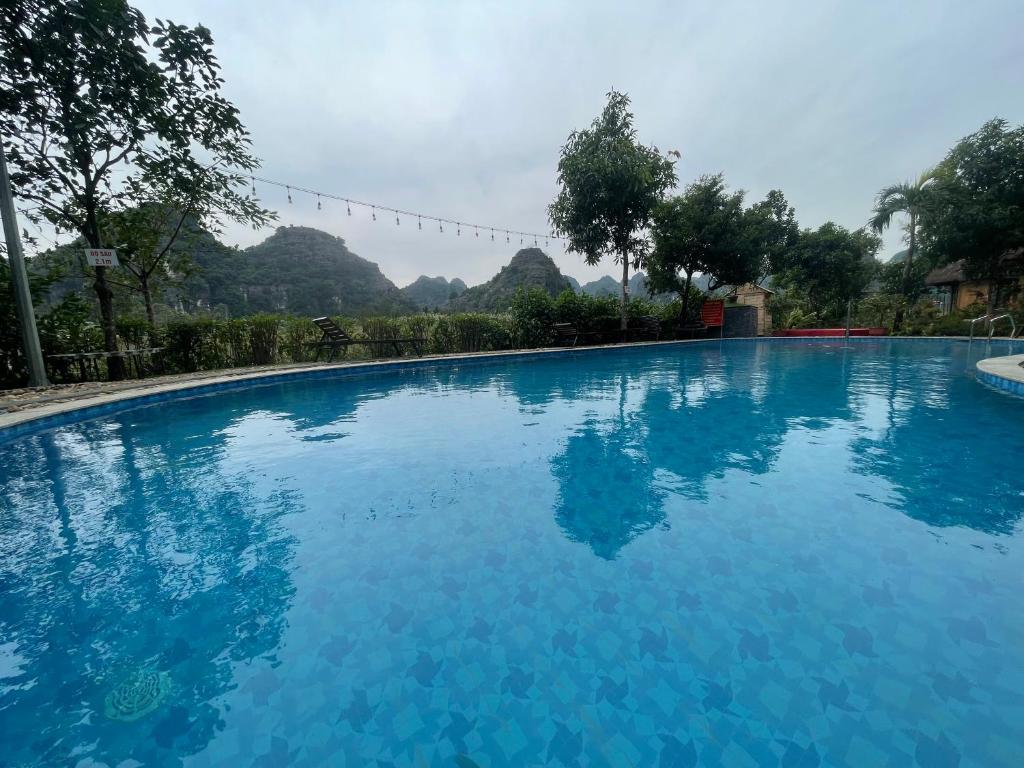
(18, 399)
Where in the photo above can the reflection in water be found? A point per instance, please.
(113, 608)
(921, 448)
(696, 417)
(607, 492)
(391, 570)
(703, 415)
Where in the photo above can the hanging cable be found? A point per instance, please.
(441, 221)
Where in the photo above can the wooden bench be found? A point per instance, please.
(646, 328)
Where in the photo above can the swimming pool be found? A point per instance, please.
(741, 553)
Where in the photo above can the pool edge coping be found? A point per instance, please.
(37, 418)
(1004, 373)
(33, 418)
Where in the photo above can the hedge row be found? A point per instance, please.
(208, 343)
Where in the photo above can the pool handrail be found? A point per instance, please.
(991, 318)
(996, 318)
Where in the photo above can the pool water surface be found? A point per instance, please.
(792, 553)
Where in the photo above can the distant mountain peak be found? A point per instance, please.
(299, 270)
(433, 292)
(529, 268)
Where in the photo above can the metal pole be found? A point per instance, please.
(849, 309)
(19, 276)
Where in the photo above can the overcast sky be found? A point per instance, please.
(460, 109)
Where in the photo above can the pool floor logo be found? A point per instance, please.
(137, 695)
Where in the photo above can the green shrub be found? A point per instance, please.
(533, 313)
(297, 339)
(135, 332)
(470, 332)
(263, 338)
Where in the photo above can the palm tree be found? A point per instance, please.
(908, 198)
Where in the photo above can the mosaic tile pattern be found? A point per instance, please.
(1003, 383)
(738, 554)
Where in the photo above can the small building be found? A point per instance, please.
(957, 292)
(754, 295)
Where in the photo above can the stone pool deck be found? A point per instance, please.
(1006, 373)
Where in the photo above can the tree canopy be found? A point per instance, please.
(706, 230)
(978, 211)
(610, 184)
(830, 266)
(89, 87)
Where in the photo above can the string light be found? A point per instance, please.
(441, 221)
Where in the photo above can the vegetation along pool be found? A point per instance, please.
(749, 553)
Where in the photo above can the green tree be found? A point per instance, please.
(909, 199)
(706, 230)
(155, 242)
(772, 231)
(829, 267)
(104, 111)
(609, 186)
(977, 211)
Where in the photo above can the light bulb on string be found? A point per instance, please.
(476, 232)
(289, 195)
(492, 235)
(397, 222)
(373, 209)
(318, 206)
(507, 240)
(534, 242)
(458, 229)
(419, 223)
(252, 180)
(440, 226)
(348, 207)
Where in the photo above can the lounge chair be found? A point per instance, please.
(568, 335)
(335, 338)
(565, 335)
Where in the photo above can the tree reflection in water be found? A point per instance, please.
(98, 586)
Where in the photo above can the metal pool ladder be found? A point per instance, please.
(992, 318)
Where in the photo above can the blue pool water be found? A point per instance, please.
(737, 554)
